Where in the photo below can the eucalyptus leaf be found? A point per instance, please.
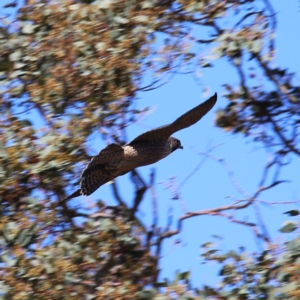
(121, 20)
(293, 212)
(28, 28)
(15, 55)
(289, 226)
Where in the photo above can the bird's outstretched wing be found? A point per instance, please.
(93, 179)
(110, 153)
(186, 120)
(100, 169)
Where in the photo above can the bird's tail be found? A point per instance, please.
(92, 179)
(74, 195)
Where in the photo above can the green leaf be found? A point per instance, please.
(59, 287)
(22, 236)
(19, 65)
(100, 46)
(31, 200)
(4, 288)
(243, 290)
(207, 245)
(233, 254)
(293, 245)
(255, 46)
(226, 270)
(26, 123)
(185, 275)
(15, 55)
(146, 295)
(186, 296)
(292, 213)
(182, 276)
(160, 284)
(216, 236)
(49, 268)
(281, 260)
(103, 3)
(206, 65)
(290, 287)
(141, 18)
(8, 260)
(288, 227)
(16, 74)
(28, 28)
(3, 153)
(16, 90)
(121, 20)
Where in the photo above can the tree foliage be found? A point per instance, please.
(78, 65)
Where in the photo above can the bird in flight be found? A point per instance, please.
(146, 149)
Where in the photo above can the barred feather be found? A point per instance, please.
(93, 179)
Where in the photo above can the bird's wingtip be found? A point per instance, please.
(212, 100)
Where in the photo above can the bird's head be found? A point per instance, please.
(175, 144)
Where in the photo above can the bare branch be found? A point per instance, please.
(154, 198)
(185, 180)
(230, 173)
(117, 194)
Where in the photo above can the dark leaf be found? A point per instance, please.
(288, 227)
(292, 213)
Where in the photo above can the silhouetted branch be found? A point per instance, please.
(117, 194)
(212, 212)
(230, 173)
(287, 142)
(246, 16)
(139, 194)
(154, 199)
(271, 76)
(273, 21)
(184, 181)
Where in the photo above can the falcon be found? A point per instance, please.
(146, 149)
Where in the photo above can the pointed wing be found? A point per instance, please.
(109, 154)
(99, 169)
(93, 179)
(189, 118)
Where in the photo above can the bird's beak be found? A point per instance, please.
(181, 147)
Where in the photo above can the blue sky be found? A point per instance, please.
(210, 186)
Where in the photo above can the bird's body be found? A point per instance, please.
(146, 149)
(115, 161)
